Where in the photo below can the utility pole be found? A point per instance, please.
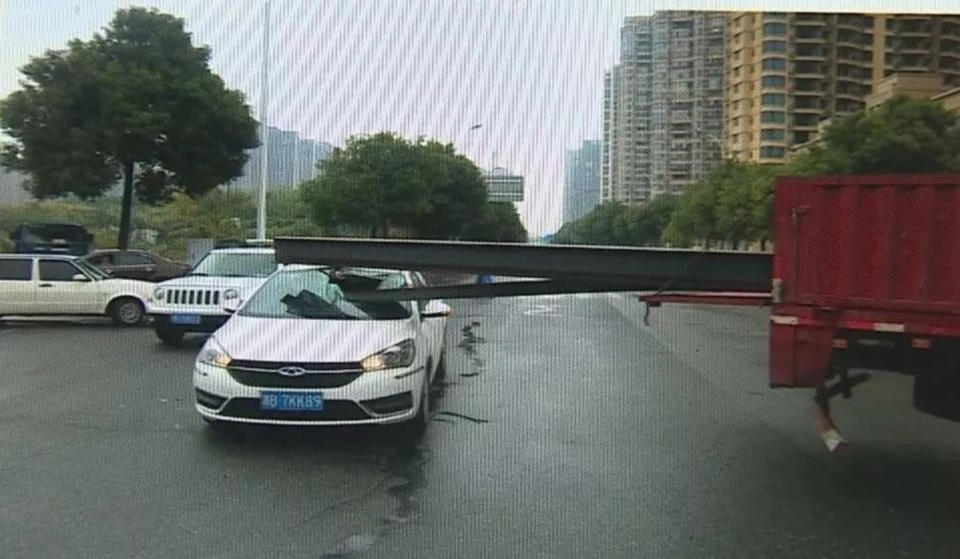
(264, 133)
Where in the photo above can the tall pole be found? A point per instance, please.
(264, 135)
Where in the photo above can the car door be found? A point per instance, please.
(17, 288)
(134, 265)
(60, 291)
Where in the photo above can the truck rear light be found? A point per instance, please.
(840, 343)
(920, 343)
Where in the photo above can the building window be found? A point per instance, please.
(774, 28)
(773, 81)
(774, 64)
(777, 117)
(774, 46)
(775, 134)
(773, 100)
(772, 152)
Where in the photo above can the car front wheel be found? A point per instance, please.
(169, 336)
(126, 311)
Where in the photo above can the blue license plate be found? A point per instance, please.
(291, 401)
(191, 319)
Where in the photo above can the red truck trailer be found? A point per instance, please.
(865, 275)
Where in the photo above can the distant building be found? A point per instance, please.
(581, 180)
(663, 105)
(502, 186)
(787, 73)
(292, 160)
(11, 187)
(913, 85)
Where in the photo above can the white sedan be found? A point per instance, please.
(65, 285)
(301, 351)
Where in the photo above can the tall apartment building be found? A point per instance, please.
(581, 180)
(787, 72)
(663, 105)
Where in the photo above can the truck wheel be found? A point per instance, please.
(169, 336)
(936, 387)
(126, 311)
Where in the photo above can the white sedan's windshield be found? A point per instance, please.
(234, 264)
(90, 269)
(316, 294)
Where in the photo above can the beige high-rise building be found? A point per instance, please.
(663, 105)
(787, 72)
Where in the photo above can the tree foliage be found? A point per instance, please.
(138, 96)
(615, 223)
(385, 185)
(499, 223)
(901, 136)
(733, 204)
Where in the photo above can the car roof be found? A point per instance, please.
(373, 272)
(40, 255)
(243, 250)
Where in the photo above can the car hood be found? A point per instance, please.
(298, 340)
(244, 285)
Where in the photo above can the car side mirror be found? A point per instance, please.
(231, 305)
(80, 277)
(436, 309)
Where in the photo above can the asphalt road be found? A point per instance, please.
(566, 429)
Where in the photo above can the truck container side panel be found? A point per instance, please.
(908, 260)
(946, 240)
(822, 229)
(880, 242)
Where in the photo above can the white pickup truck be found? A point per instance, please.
(198, 301)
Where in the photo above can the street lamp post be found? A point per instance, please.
(264, 132)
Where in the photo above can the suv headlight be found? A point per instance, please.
(395, 356)
(159, 293)
(231, 294)
(213, 354)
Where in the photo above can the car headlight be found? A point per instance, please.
(395, 356)
(231, 294)
(159, 293)
(213, 354)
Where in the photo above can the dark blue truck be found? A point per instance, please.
(51, 238)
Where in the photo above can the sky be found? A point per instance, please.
(529, 71)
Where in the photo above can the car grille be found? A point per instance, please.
(333, 410)
(193, 297)
(266, 374)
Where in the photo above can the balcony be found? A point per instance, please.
(806, 54)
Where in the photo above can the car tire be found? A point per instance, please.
(169, 336)
(441, 372)
(412, 430)
(126, 311)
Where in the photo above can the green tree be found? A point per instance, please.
(384, 184)
(499, 223)
(615, 223)
(137, 102)
(901, 136)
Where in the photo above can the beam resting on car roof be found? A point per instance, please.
(557, 268)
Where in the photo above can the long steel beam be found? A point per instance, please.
(572, 268)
